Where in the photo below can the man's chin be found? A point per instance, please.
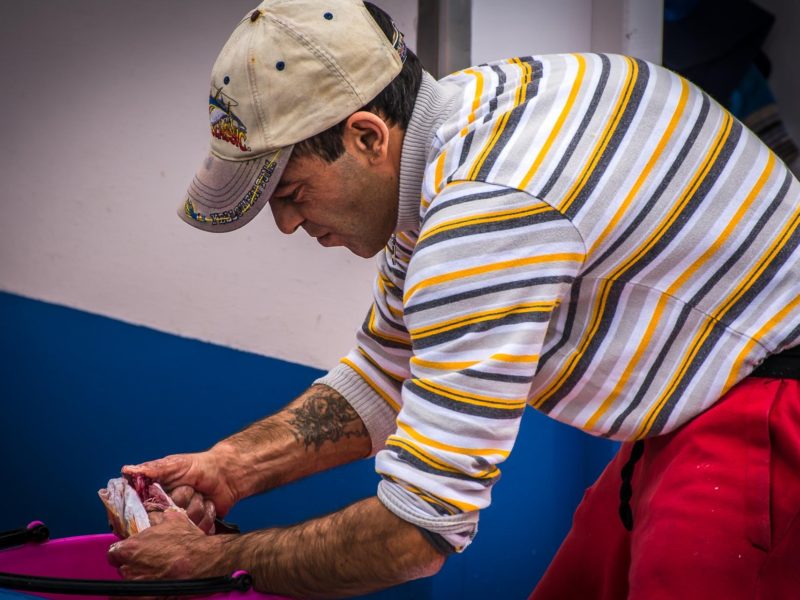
(363, 251)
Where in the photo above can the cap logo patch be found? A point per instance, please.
(225, 125)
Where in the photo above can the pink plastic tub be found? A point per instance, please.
(82, 557)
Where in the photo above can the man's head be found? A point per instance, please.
(315, 96)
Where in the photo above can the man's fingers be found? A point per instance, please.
(209, 515)
(164, 470)
(195, 508)
(116, 554)
(182, 495)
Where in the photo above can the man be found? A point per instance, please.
(587, 234)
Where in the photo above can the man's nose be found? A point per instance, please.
(286, 216)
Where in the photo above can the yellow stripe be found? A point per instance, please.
(448, 366)
(481, 316)
(605, 138)
(406, 239)
(476, 101)
(430, 498)
(457, 366)
(734, 375)
(672, 290)
(648, 167)
(499, 266)
(489, 217)
(457, 449)
(383, 283)
(571, 363)
(370, 360)
(380, 334)
(522, 90)
(573, 94)
(439, 173)
(497, 131)
(399, 442)
(516, 358)
(474, 399)
(489, 473)
(389, 400)
(438, 500)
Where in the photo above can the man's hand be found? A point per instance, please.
(196, 482)
(173, 549)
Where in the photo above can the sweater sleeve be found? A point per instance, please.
(489, 267)
(370, 377)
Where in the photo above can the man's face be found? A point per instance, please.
(346, 203)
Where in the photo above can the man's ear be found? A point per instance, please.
(366, 135)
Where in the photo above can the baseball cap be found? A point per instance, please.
(290, 70)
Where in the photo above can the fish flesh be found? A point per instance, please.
(130, 499)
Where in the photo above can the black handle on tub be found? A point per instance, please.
(34, 532)
(239, 581)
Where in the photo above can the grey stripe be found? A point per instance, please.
(507, 224)
(454, 334)
(463, 407)
(498, 90)
(420, 465)
(468, 198)
(465, 148)
(498, 376)
(382, 341)
(492, 289)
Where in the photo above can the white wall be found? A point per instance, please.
(505, 28)
(105, 122)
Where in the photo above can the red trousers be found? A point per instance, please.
(715, 505)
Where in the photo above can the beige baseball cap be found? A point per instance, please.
(290, 70)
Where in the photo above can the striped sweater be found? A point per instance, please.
(596, 238)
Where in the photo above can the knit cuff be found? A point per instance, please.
(457, 530)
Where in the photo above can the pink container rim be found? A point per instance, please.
(82, 557)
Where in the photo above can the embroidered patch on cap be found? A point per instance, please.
(225, 125)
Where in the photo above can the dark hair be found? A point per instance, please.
(394, 104)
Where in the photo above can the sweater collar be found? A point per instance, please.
(433, 105)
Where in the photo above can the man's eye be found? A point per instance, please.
(289, 197)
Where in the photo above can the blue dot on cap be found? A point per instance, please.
(280, 65)
(328, 15)
(227, 80)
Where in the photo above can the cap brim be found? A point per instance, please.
(226, 194)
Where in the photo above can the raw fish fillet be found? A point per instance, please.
(129, 499)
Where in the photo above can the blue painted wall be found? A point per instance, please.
(82, 395)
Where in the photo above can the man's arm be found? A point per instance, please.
(359, 549)
(317, 431)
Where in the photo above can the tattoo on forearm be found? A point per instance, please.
(325, 416)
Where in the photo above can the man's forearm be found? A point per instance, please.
(317, 431)
(359, 549)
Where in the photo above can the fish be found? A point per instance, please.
(129, 501)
